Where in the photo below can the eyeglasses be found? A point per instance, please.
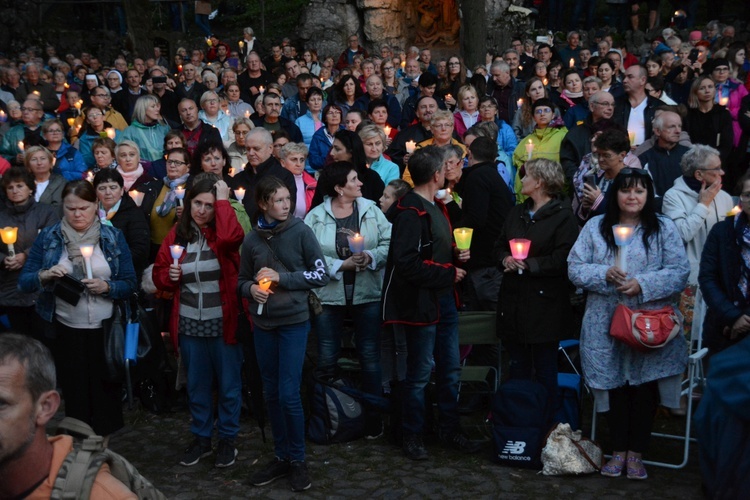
(604, 156)
(176, 163)
(25, 109)
(103, 96)
(454, 64)
(95, 115)
(442, 126)
(211, 101)
(715, 169)
(542, 111)
(721, 69)
(388, 68)
(604, 104)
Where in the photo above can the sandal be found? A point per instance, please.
(614, 466)
(636, 470)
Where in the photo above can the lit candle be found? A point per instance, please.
(239, 193)
(572, 62)
(356, 243)
(231, 171)
(90, 177)
(443, 193)
(208, 41)
(529, 149)
(227, 112)
(242, 44)
(264, 285)
(724, 101)
(519, 249)
(20, 145)
(176, 251)
(111, 133)
(410, 146)
(519, 103)
(3, 116)
(247, 114)
(9, 236)
(262, 89)
(78, 104)
(623, 236)
(179, 194)
(735, 210)
(87, 251)
(520, 68)
(448, 96)
(179, 68)
(545, 82)
(137, 196)
(387, 131)
(462, 236)
(35, 92)
(403, 64)
(71, 122)
(631, 136)
(66, 85)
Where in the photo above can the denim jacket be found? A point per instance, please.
(46, 253)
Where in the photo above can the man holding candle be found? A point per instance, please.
(418, 296)
(635, 110)
(414, 134)
(253, 78)
(505, 89)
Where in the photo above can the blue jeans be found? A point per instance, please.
(392, 354)
(422, 342)
(535, 362)
(281, 353)
(207, 359)
(585, 7)
(201, 20)
(328, 328)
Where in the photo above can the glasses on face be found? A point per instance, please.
(604, 156)
(103, 96)
(638, 172)
(95, 115)
(25, 109)
(241, 133)
(176, 163)
(211, 101)
(605, 104)
(721, 69)
(441, 126)
(388, 68)
(542, 111)
(454, 64)
(715, 169)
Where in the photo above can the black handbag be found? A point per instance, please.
(69, 289)
(125, 315)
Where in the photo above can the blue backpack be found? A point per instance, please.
(521, 419)
(336, 416)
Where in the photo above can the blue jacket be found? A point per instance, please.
(86, 141)
(306, 125)
(46, 253)
(320, 146)
(506, 138)
(394, 107)
(69, 163)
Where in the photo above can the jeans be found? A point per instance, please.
(207, 359)
(201, 20)
(328, 328)
(535, 362)
(281, 353)
(422, 342)
(586, 7)
(393, 354)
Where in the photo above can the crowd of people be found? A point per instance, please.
(247, 190)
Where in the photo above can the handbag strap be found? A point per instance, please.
(584, 453)
(274, 254)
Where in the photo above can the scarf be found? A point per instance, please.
(693, 183)
(130, 177)
(105, 216)
(73, 239)
(743, 240)
(170, 200)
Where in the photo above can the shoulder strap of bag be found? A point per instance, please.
(585, 454)
(274, 254)
(79, 469)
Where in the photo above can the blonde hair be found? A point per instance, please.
(549, 172)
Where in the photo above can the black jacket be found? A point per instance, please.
(623, 108)
(195, 92)
(486, 202)
(249, 178)
(575, 145)
(130, 220)
(295, 135)
(397, 150)
(394, 107)
(412, 278)
(208, 134)
(712, 129)
(516, 93)
(534, 307)
(664, 168)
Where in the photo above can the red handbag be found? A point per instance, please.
(645, 329)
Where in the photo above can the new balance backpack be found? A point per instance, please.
(336, 416)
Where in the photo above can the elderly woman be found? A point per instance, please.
(546, 219)
(128, 156)
(695, 204)
(322, 140)
(103, 151)
(68, 161)
(374, 141)
(708, 122)
(237, 152)
(523, 120)
(79, 327)
(237, 107)
(293, 157)
(506, 138)
(49, 186)
(210, 80)
(355, 285)
(310, 122)
(94, 128)
(628, 384)
(118, 210)
(147, 129)
(211, 114)
(441, 127)
(204, 312)
(23, 212)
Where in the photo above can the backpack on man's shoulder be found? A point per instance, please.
(76, 476)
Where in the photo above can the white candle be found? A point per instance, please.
(239, 193)
(180, 194)
(20, 145)
(87, 251)
(410, 146)
(519, 103)
(176, 251)
(263, 284)
(387, 131)
(137, 196)
(111, 133)
(529, 149)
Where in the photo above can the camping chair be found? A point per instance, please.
(478, 328)
(693, 375)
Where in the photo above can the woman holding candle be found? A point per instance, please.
(729, 93)
(49, 186)
(119, 210)
(174, 139)
(322, 140)
(354, 236)
(523, 120)
(284, 250)
(129, 165)
(94, 128)
(455, 78)
(236, 151)
(546, 220)
(68, 161)
(441, 127)
(204, 312)
(22, 213)
(310, 122)
(629, 384)
(57, 251)
(468, 110)
(707, 122)
(292, 157)
(148, 128)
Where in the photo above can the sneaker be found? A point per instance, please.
(299, 479)
(275, 469)
(414, 447)
(373, 427)
(199, 448)
(457, 440)
(225, 453)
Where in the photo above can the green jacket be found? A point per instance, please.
(150, 140)
(546, 145)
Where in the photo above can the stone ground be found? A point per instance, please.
(376, 469)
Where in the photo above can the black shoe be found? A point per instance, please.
(199, 448)
(457, 440)
(299, 479)
(414, 447)
(373, 427)
(271, 472)
(225, 453)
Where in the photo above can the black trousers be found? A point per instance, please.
(631, 416)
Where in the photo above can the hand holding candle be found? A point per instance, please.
(9, 236)
(623, 236)
(519, 103)
(176, 251)
(263, 285)
(137, 196)
(180, 195)
(519, 249)
(239, 193)
(356, 243)
(462, 236)
(387, 131)
(410, 146)
(87, 251)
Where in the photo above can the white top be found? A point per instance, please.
(636, 123)
(40, 187)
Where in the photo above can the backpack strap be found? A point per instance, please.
(76, 476)
(74, 427)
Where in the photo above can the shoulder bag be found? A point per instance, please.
(644, 330)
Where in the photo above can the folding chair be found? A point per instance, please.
(478, 328)
(691, 382)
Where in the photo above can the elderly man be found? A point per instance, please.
(420, 131)
(513, 60)
(29, 132)
(505, 89)
(577, 142)
(376, 90)
(347, 57)
(32, 85)
(190, 88)
(409, 83)
(273, 120)
(663, 160)
(260, 163)
(572, 50)
(29, 460)
(253, 78)
(11, 80)
(193, 129)
(635, 110)
(578, 113)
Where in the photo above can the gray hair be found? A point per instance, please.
(593, 79)
(208, 95)
(658, 123)
(241, 120)
(370, 131)
(549, 172)
(139, 110)
(696, 158)
(263, 134)
(248, 31)
(34, 357)
(291, 148)
(501, 65)
(128, 144)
